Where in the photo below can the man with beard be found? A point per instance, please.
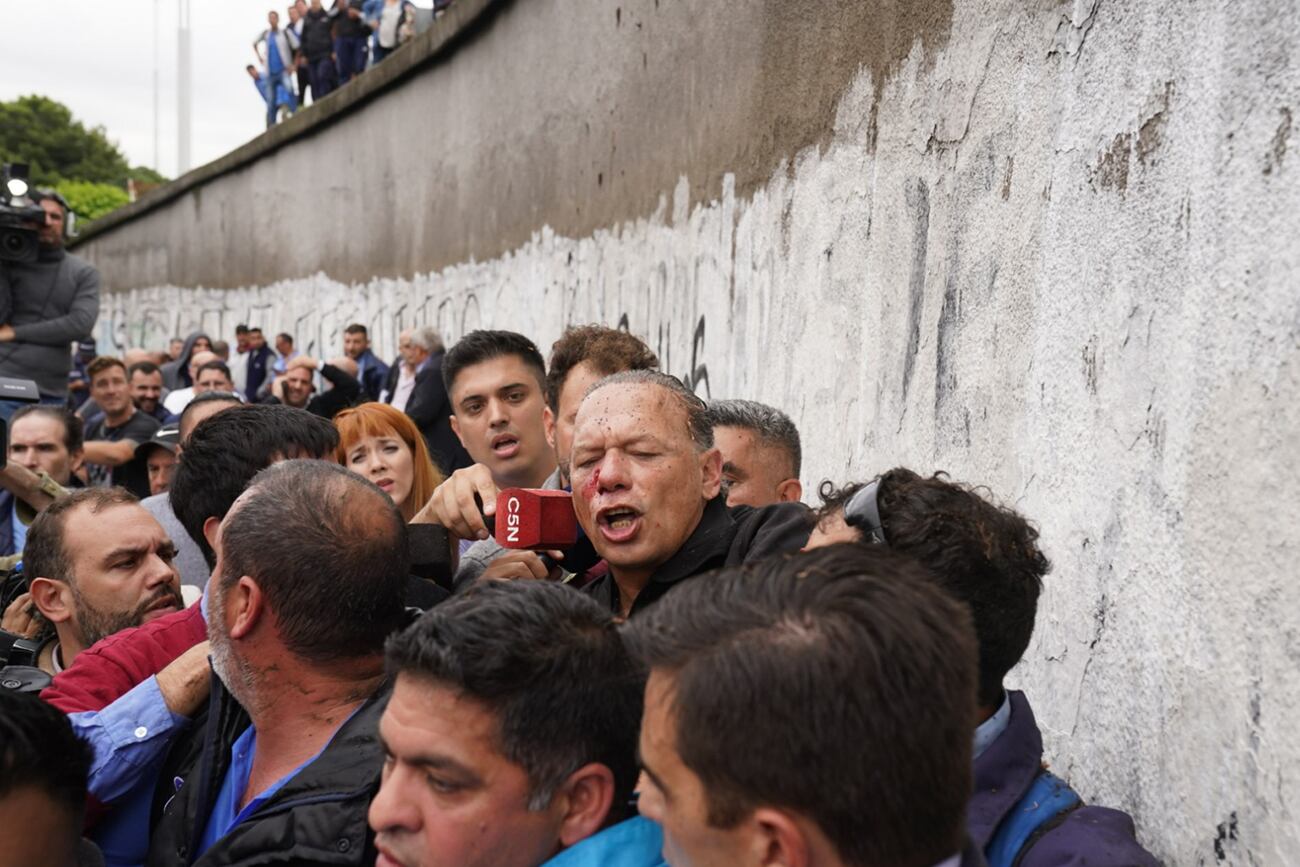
(116, 573)
(288, 761)
(146, 382)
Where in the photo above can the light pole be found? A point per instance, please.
(183, 89)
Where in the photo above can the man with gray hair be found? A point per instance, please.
(415, 386)
(760, 450)
(310, 577)
(647, 483)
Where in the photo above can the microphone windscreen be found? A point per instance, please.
(535, 519)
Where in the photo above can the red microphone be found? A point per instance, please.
(535, 520)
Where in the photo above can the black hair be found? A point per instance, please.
(548, 662)
(145, 367)
(357, 328)
(839, 683)
(38, 748)
(329, 551)
(480, 346)
(985, 554)
(214, 365)
(226, 451)
(73, 427)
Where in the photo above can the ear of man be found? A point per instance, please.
(711, 471)
(790, 491)
(585, 800)
(244, 606)
(455, 428)
(781, 840)
(52, 598)
(548, 425)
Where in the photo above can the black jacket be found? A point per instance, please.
(318, 817)
(430, 409)
(724, 537)
(317, 40)
(346, 392)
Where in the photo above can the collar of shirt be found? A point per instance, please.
(988, 731)
(708, 542)
(224, 814)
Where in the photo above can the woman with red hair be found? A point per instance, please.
(383, 445)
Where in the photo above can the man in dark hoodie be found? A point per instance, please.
(44, 306)
(176, 374)
(988, 557)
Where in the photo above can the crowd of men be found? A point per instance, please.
(248, 651)
(316, 50)
(713, 673)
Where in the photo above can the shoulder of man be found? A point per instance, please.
(330, 799)
(776, 529)
(78, 264)
(141, 426)
(1087, 837)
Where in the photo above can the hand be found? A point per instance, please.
(19, 618)
(6, 333)
(452, 504)
(522, 564)
(185, 681)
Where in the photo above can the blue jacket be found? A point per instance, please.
(1086, 835)
(374, 373)
(638, 842)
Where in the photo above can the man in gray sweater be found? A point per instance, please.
(44, 306)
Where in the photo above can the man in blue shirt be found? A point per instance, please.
(276, 56)
(287, 760)
(371, 370)
(511, 736)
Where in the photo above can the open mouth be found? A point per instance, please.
(505, 445)
(386, 485)
(618, 523)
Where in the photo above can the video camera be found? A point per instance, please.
(17, 214)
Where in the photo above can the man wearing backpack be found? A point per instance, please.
(988, 557)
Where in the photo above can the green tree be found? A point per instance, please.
(90, 200)
(56, 147)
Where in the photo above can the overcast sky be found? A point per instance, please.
(97, 58)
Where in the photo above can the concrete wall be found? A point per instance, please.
(1047, 247)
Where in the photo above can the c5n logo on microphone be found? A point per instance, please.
(512, 519)
(534, 519)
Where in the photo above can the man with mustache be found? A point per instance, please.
(117, 575)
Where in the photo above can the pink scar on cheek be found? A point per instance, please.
(589, 489)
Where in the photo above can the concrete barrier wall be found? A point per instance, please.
(1048, 248)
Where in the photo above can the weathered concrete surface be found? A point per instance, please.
(1048, 248)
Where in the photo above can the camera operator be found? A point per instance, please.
(45, 306)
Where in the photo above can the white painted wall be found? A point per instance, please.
(1066, 267)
